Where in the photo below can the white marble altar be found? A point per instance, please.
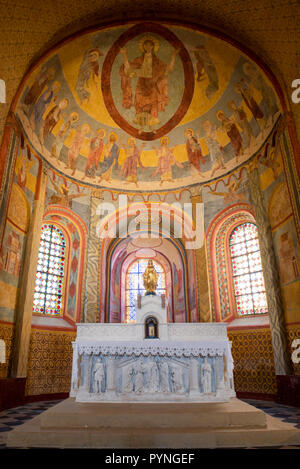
(187, 362)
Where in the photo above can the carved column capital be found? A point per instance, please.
(97, 193)
(196, 191)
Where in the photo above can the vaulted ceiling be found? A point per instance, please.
(270, 28)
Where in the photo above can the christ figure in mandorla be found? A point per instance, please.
(151, 92)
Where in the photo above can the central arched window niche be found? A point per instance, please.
(134, 285)
(119, 258)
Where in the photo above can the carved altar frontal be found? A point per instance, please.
(186, 362)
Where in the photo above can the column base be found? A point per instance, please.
(288, 390)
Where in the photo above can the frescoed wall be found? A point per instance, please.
(285, 236)
(16, 218)
(147, 106)
(237, 207)
(156, 113)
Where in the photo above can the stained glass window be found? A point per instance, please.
(50, 271)
(135, 286)
(248, 279)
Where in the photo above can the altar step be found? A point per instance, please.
(87, 425)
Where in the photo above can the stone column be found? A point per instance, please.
(201, 266)
(272, 283)
(27, 281)
(92, 294)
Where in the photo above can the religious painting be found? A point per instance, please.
(286, 246)
(155, 76)
(289, 266)
(279, 205)
(147, 106)
(18, 209)
(11, 251)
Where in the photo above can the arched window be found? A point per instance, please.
(248, 279)
(50, 272)
(134, 285)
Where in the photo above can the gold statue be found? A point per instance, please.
(150, 278)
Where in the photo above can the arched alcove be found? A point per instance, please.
(172, 258)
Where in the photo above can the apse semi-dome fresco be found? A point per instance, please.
(147, 107)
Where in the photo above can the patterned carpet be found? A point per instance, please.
(17, 416)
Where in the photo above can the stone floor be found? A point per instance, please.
(17, 416)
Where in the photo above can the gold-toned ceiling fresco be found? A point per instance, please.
(146, 106)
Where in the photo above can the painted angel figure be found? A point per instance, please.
(205, 67)
(151, 93)
(89, 68)
(48, 98)
(39, 85)
(245, 90)
(259, 83)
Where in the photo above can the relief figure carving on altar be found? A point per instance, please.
(176, 379)
(127, 379)
(134, 377)
(99, 376)
(152, 377)
(205, 376)
(139, 377)
(107, 376)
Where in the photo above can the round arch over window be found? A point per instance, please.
(247, 273)
(135, 286)
(50, 272)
